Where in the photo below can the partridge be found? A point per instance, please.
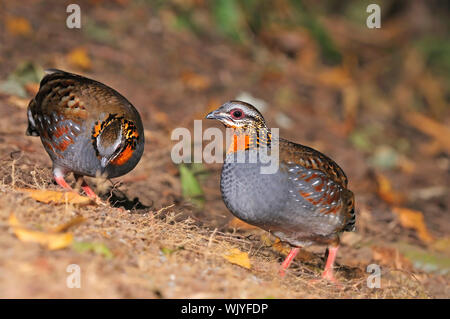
(306, 201)
(86, 127)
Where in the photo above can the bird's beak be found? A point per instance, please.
(217, 115)
(104, 161)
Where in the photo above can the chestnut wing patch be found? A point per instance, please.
(316, 188)
(57, 133)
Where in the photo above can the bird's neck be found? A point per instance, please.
(249, 139)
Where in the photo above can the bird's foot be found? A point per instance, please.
(287, 262)
(328, 275)
(89, 192)
(61, 182)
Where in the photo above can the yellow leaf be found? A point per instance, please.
(386, 192)
(18, 26)
(284, 249)
(195, 81)
(57, 197)
(335, 77)
(80, 58)
(439, 132)
(19, 102)
(391, 257)
(280, 247)
(70, 223)
(237, 257)
(51, 241)
(237, 223)
(410, 218)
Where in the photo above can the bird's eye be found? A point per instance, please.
(237, 114)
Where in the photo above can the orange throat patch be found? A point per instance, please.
(124, 156)
(239, 142)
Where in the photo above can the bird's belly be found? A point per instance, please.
(269, 201)
(251, 196)
(79, 157)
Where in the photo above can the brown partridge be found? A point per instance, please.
(86, 128)
(306, 201)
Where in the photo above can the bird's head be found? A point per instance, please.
(239, 115)
(115, 140)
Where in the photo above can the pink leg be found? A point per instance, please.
(287, 262)
(89, 192)
(328, 272)
(61, 182)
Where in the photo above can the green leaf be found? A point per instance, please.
(168, 251)
(430, 262)
(12, 87)
(229, 18)
(25, 73)
(190, 186)
(98, 33)
(329, 50)
(98, 248)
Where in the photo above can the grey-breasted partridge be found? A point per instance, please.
(86, 128)
(306, 201)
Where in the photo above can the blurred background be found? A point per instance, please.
(374, 100)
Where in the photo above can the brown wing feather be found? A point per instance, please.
(309, 158)
(76, 96)
(312, 159)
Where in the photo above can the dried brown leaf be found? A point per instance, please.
(18, 26)
(79, 57)
(237, 257)
(385, 191)
(57, 197)
(51, 241)
(391, 257)
(410, 218)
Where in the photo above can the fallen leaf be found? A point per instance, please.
(18, 26)
(57, 197)
(12, 87)
(19, 102)
(51, 241)
(190, 186)
(98, 248)
(426, 260)
(237, 257)
(410, 218)
(351, 239)
(79, 57)
(338, 77)
(442, 245)
(70, 223)
(195, 81)
(169, 251)
(237, 223)
(280, 247)
(439, 132)
(283, 248)
(386, 192)
(24, 79)
(391, 257)
(32, 88)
